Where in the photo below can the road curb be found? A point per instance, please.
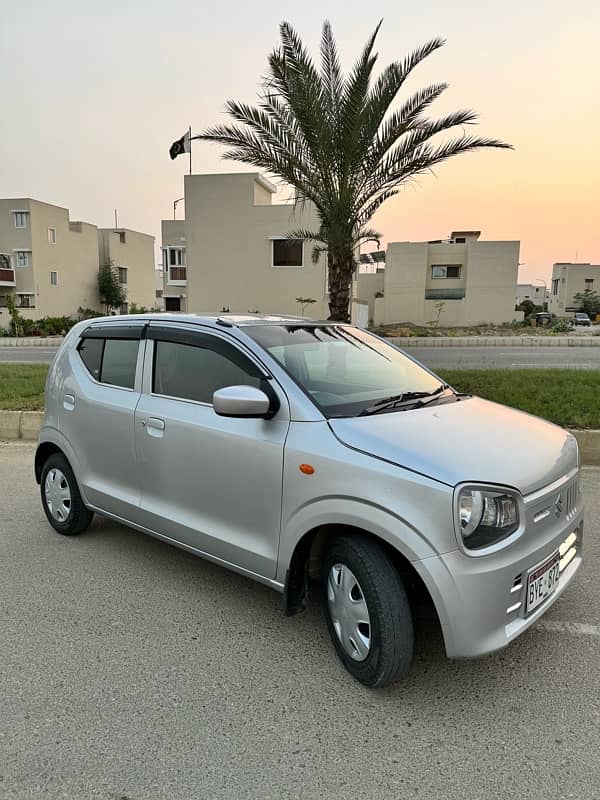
(31, 341)
(26, 425)
(495, 341)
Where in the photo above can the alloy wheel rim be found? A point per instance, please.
(349, 612)
(58, 495)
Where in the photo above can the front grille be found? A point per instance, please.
(571, 498)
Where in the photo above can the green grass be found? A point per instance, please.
(568, 397)
(22, 386)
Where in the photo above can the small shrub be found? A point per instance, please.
(560, 326)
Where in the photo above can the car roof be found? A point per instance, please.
(231, 320)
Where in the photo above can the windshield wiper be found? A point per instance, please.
(406, 398)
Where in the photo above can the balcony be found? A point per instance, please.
(7, 276)
(177, 276)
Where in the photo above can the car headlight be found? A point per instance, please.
(486, 517)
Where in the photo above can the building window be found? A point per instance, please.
(122, 274)
(23, 258)
(124, 308)
(54, 279)
(589, 284)
(122, 237)
(26, 301)
(460, 240)
(445, 271)
(288, 252)
(51, 235)
(445, 294)
(555, 283)
(20, 218)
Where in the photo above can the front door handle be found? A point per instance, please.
(156, 423)
(154, 426)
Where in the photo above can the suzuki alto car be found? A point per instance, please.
(294, 452)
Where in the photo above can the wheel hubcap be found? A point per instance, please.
(349, 612)
(58, 495)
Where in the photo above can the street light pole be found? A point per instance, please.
(175, 205)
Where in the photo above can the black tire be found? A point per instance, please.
(79, 517)
(391, 625)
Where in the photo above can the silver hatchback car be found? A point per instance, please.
(296, 452)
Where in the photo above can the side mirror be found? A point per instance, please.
(241, 401)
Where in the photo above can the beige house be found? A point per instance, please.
(462, 280)
(530, 291)
(132, 254)
(231, 250)
(53, 260)
(568, 280)
(50, 262)
(174, 260)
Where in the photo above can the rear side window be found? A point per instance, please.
(195, 373)
(111, 361)
(90, 351)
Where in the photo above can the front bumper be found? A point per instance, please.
(481, 601)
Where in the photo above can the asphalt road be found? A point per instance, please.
(434, 357)
(133, 670)
(498, 357)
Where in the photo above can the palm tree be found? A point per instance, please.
(331, 138)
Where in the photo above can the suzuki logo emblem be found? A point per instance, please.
(558, 505)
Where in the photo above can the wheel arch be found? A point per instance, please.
(305, 565)
(42, 454)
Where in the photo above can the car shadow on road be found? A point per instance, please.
(254, 617)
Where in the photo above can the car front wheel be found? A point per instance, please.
(367, 610)
(61, 499)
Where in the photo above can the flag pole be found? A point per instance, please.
(190, 135)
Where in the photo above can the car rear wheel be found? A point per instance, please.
(61, 499)
(367, 611)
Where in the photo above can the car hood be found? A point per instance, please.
(467, 440)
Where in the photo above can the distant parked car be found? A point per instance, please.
(543, 317)
(581, 319)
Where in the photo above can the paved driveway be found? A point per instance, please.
(130, 669)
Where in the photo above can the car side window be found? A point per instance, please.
(195, 372)
(110, 361)
(119, 362)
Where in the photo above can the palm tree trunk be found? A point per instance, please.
(340, 284)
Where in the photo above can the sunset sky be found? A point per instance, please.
(93, 93)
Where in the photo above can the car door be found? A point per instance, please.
(213, 483)
(99, 394)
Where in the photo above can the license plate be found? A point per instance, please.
(542, 581)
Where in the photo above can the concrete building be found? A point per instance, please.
(132, 254)
(50, 262)
(569, 279)
(231, 250)
(531, 291)
(474, 280)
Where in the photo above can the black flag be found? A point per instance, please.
(180, 146)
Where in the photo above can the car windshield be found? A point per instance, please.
(343, 369)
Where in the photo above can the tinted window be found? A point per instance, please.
(195, 373)
(90, 351)
(119, 361)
